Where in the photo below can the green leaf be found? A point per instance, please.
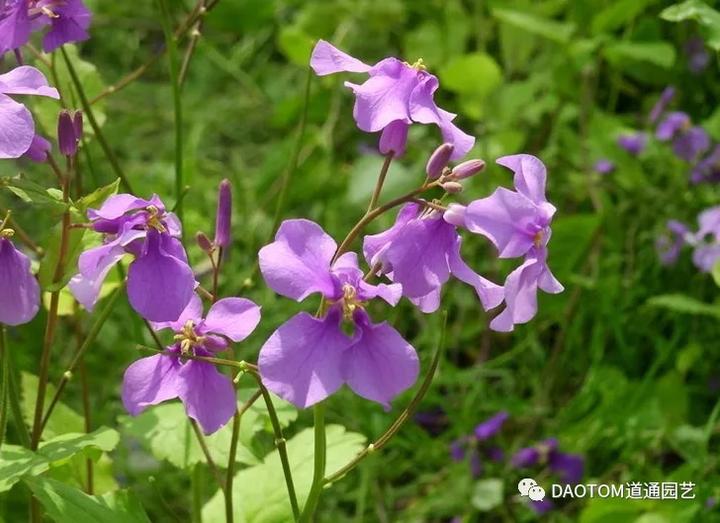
(296, 45)
(617, 14)
(716, 273)
(262, 487)
(31, 192)
(661, 54)
(684, 304)
(62, 420)
(96, 198)
(476, 74)
(64, 503)
(560, 32)
(166, 432)
(707, 18)
(16, 461)
(487, 494)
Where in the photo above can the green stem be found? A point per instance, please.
(405, 415)
(380, 182)
(14, 398)
(4, 386)
(206, 452)
(196, 481)
(242, 365)
(87, 110)
(319, 467)
(77, 357)
(171, 42)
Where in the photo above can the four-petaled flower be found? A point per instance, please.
(518, 224)
(17, 128)
(208, 395)
(69, 21)
(307, 358)
(160, 282)
(396, 95)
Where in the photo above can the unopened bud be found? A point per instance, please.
(468, 169)
(69, 127)
(394, 138)
(452, 187)
(223, 219)
(203, 242)
(78, 125)
(439, 160)
(455, 214)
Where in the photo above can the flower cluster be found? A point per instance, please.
(474, 447)
(705, 242)
(64, 21)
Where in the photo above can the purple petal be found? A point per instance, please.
(297, 263)
(390, 293)
(159, 286)
(375, 244)
(118, 204)
(691, 143)
(491, 426)
(490, 294)
(17, 128)
(428, 303)
(384, 97)
(20, 296)
(209, 396)
(424, 110)
(671, 124)
(526, 457)
(235, 318)
(520, 296)
(193, 312)
(569, 467)
(706, 256)
(14, 26)
(379, 364)
(508, 219)
(530, 175)
(300, 362)
(26, 80)
(70, 25)
(659, 108)
(327, 59)
(150, 381)
(394, 138)
(38, 150)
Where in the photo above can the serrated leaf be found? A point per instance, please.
(560, 32)
(16, 461)
(262, 487)
(165, 431)
(64, 503)
(684, 304)
(707, 18)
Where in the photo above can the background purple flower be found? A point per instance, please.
(634, 143)
(697, 55)
(604, 166)
(208, 395)
(491, 426)
(17, 128)
(20, 296)
(659, 108)
(307, 359)
(670, 245)
(395, 96)
(706, 241)
(707, 169)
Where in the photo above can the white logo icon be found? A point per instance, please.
(529, 487)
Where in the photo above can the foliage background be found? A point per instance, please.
(625, 378)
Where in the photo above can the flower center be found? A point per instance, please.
(6, 233)
(188, 338)
(350, 301)
(419, 65)
(538, 238)
(154, 219)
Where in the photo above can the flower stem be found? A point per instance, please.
(242, 365)
(380, 182)
(319, 466)
(87, 109)
(90, 487)
(230, 475)
(4, 386)
(196, 482)
(77, 357)
(14, 400)
(206, 452)
(406, 414)
(171, 43)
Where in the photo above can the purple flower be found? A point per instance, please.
(69, 132)
(20, 296)
(697, 56)
(634, 143)
(707, 169)
(569, 467)
(541, 507)
(38, 150)
(604, 166)
(396, 95)
(659, 108)
(518, 224)
(223, 217)
(669, 246)
(69, 21)
(160, 282)
(307, 358)
(457, 449)
(208, 395)
(688, 141)
(491, 426)
(706, 240)
(17, 128)
(420, 252)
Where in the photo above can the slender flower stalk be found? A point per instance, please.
(4, 386)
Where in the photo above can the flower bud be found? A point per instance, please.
(78, 125)
(69, 127)
(452, 187)
(224, 214)
(468, 169)
(439, 160)
(394, 138)
(455, 214)
(203, 242)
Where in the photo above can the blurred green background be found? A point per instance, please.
(622, 367)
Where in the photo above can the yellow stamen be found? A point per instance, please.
(350, 301)
(419, 65)
(538, 239)
(6, 233)
(188, 338)
(153, 220)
